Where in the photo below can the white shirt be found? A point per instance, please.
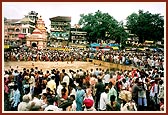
(73, 92)
(32, 81)
(53, 108)
(103, 101)
(59, 88)
(66, 79)
(73, 106)
(107, 78)
(23, 106)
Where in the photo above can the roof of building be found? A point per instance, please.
(36, 34)
(61, 18)
(26, 19)
(12, 20)
(36, 31)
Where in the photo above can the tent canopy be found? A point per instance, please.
(149, 42)
(115, 48)
(94, 45)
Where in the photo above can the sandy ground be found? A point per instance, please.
(52, 65)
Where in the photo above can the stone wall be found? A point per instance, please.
(110, 65)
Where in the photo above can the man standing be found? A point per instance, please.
(104, 100)
(99, 89)
(15, 98)
(112, 91)
(52, 85)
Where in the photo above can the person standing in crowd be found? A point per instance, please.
(32, 83)
(99, 89)
(73, 106)
(135, 90)
(104, 100)
(15, 98)
(89, 105)
(25, 105)
(161, 89)
(113, 105)
(52, 85)
(112, 91)
(142, 100)
(106, 77)
(79, 98)
(51, 106)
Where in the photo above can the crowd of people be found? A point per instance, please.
(97, 90)
(142, 59)
(85, 90)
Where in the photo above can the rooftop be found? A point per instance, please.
(61, 18)
(12, 20)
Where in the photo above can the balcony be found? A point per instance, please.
(11, 26)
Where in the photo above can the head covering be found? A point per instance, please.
(125, 95)
(88, 103)
(26, 77)
(26, 98)
(152, 81)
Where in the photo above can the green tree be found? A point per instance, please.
(146, 26)
(103, 26)
(5, 19)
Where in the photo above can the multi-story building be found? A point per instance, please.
(132, 38)
(11, 30)
(16, 30)
(78, 36)
(27, 26)
(60, 31)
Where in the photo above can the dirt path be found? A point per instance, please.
(52, 65)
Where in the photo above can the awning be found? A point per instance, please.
(115, 48)
(80, 46)
(142, 49)
(6, 46)
(21, 36)
(149, 42)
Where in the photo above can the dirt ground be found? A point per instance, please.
(53, 65)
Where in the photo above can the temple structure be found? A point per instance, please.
(39, 36)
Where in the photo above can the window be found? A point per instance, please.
(28, 30)
(17, 30)
(24, 30)
(13, 35)
(10, 30)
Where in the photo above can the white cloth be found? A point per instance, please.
(106, 78)
(23, 106)
(66, 79)
(73, 108)
(52, 108)
(73, 92)
(103, 101)
(59, 88)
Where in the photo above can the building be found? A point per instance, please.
(60, 31)
(33, 16)
(38, 38)
(13, 32)
(16, 30)
(132, 38)
(78, 36)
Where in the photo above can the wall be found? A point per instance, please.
(110, 65)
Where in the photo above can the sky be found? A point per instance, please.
(119, 10)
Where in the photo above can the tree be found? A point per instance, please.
(101, 26)
(5, 19)
(146, 26)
